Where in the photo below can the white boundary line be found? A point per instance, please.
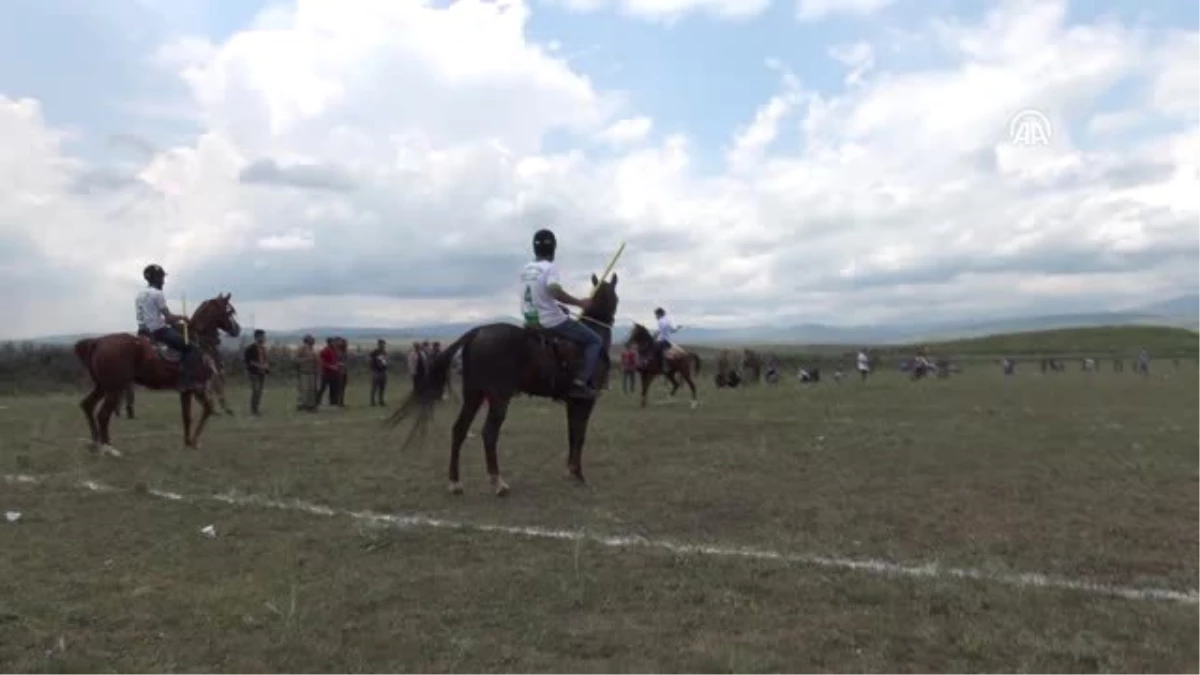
(873, 566)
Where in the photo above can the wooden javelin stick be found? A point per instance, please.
(183, 302)
(613, 261)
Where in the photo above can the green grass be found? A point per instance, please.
(1090, 478)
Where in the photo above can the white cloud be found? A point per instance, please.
(628, 130)
(812, 10)
(669, 11)
(388, 165)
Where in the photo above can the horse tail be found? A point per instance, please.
(696, 362)
(428, 390)
(83, 351)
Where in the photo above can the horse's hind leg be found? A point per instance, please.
(112, 399)
(88, 406)
(472, 401)
(497, 411)
(691, 385)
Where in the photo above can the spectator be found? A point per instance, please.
(629, 361)
(330, 377)
(308, 369)
(257, 367)
(379, 374)
(415, 363)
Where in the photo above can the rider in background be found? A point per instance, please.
(156, 320)
(662, 338)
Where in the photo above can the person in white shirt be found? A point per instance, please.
(864, 364)
(155, 320)
(541, 291)
(662, 337)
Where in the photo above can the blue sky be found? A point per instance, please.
(841, 162)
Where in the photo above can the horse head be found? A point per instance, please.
(216, 314)
(604, 301)
(639, 336)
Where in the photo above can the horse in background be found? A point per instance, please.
(117, 361)
(499, 361)
(675, 361)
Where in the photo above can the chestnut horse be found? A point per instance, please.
(499, 361)
(211, 353)
(117, 361)
(676, 360)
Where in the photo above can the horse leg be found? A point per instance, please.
(472, 401)
(206, 411)
(674, 382)
(497, 411)
(579, 411)
(88, 406)
(185, 411)
(647, 378)
(687, 377)
(129, 402)
(112, 399)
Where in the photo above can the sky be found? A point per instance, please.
(766, 162)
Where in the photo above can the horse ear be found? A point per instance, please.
(595, 281)
(613, 283)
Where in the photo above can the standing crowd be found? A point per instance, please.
(322, 374)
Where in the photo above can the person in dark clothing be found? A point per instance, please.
(379, 372)
(257, 367)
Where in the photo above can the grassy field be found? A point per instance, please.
(1088, 479)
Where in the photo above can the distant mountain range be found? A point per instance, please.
(1182, 311)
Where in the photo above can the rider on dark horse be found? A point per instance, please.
(541, 291)
(156, 321)
(662, 339)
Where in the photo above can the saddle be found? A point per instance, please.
(561, 358)
(154, 349)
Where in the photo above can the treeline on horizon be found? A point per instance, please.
(39, 368)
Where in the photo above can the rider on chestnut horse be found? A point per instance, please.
(155, 320)
(662, 339)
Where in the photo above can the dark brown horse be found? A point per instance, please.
(117, 361)
(499, 361)
(676, 362)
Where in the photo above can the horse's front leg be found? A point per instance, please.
(646, 379)
(185, 411)
(579, 412)
(206, 411)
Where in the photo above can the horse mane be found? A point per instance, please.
(639, 332)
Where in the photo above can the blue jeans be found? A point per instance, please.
(585, 337)
(171, 338)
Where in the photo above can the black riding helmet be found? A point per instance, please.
(153, 274)
(659, 312)
(544, 244)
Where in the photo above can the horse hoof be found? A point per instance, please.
(695, 404)
(500, 487)
(456, 488)
(109, 451)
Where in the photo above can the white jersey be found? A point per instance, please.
(151, 304)
(538, 307)
(666, 328)
(864, 364)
